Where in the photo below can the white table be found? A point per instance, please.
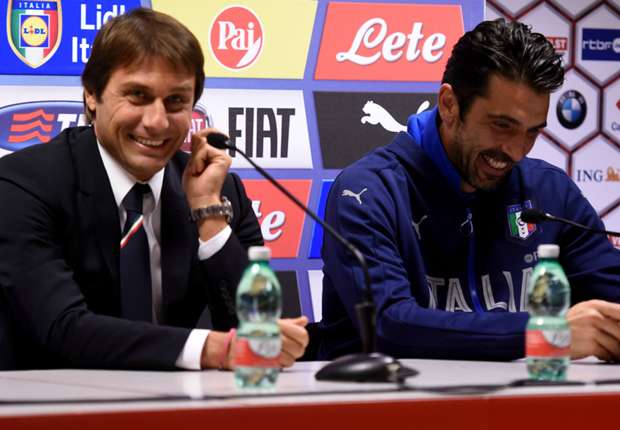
(115, 400)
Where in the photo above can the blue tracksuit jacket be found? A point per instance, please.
(450, 270)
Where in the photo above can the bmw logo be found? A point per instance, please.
(571, 109)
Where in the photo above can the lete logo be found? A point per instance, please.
(26, 124)
(371, 41)
(281, 222)
(236, 38)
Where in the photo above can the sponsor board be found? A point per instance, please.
(33, 115)
(352, 124)
(34, 29)
(280, 220)
(387, 42)
(250, 39)
(573, 110)
(612, 222)
(315, 280)
(597, 44)
(316, 243)
(600, 44)
(53, 37)
(268, 125)
(596, 171)
(200, 120)
(546, 20)
(544, 149)
(611, 111)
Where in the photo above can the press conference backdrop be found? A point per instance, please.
(306, 87)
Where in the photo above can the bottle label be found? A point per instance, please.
(257, 352)
(547, 343)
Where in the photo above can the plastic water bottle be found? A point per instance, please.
(548, 334)
(259, 305)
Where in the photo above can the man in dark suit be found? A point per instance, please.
(69, 270)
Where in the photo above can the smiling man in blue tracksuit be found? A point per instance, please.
(436, 213)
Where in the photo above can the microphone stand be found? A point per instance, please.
(535, 216)
(369, 365)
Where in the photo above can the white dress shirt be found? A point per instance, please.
(122, 182)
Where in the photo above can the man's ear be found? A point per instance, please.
(91, 100)
(448, 105)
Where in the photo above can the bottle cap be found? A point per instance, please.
(259, 253)
(548, 250)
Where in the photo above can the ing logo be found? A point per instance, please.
(236, 38)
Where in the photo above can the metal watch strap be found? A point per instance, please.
(224, 209)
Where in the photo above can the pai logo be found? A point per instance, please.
(281, 222)
(26, 124)
(236, 38)
(34, 29)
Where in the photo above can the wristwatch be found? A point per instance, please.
(224, 209)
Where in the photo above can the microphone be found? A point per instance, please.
(535, 216)
(368, 366)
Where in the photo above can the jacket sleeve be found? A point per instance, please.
(223, 270)
(591, 262)
(406, 326)
(56, 327)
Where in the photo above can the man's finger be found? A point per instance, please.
(609, 309)
(292, 347)
(285, 359)
(294, 332)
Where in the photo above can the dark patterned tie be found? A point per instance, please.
(135, 269)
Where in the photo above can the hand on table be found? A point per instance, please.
(595, 330)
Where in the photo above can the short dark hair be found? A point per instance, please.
(131, 38)
(509, 50)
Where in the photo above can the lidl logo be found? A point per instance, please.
(236, 37)
(26, 124)
(281, 222)
(34, 29)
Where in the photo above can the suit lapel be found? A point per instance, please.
(179, 238)
(95, 200)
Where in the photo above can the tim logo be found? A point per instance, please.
(26, 124)
(281, 222)
(200, 120)
(236, 37)
(394, 42)
(34, 30)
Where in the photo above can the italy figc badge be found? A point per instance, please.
(518, 228)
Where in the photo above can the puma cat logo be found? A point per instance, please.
(416, 226)
(349, 193)
(377, 114)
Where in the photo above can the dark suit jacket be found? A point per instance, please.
(59, 263)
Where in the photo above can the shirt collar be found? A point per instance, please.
(122, 181)
(424, 128)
